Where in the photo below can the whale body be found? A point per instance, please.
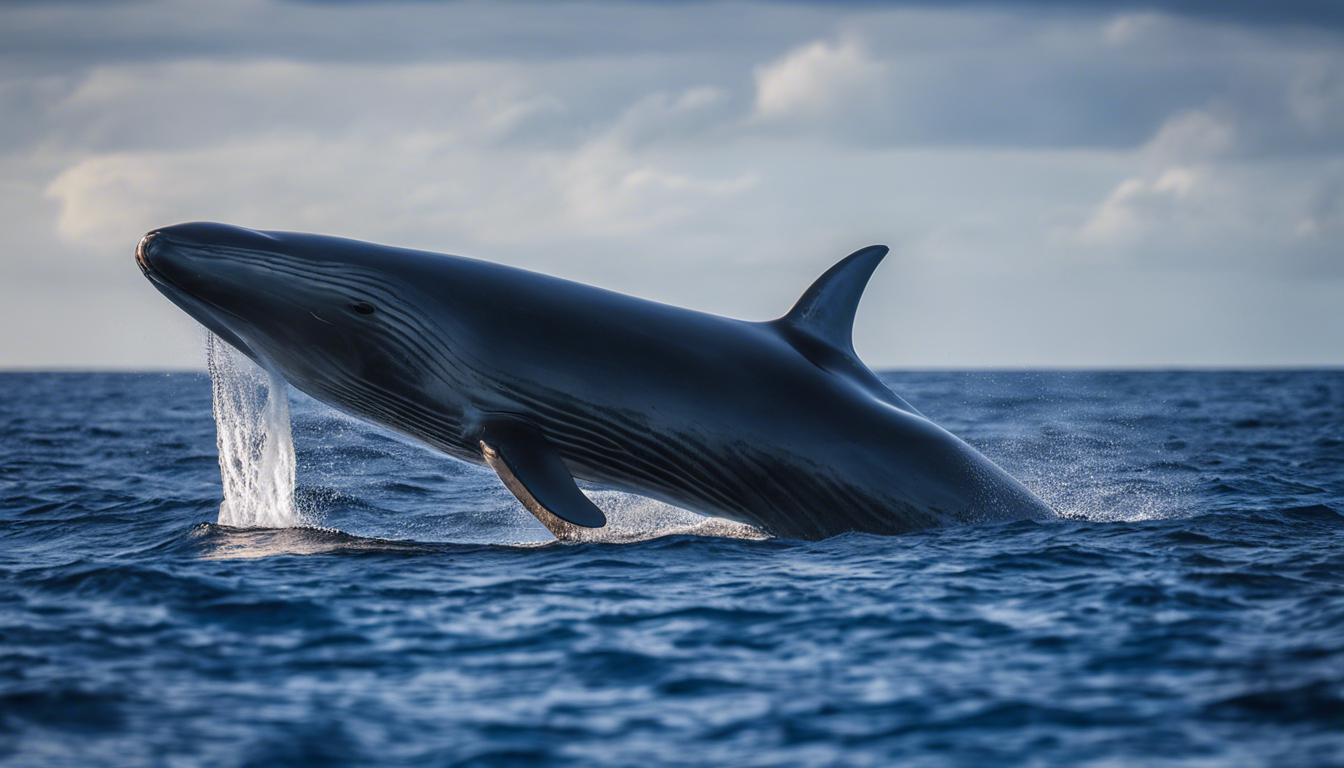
(774, 424)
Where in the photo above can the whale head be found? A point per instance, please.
(340, 320)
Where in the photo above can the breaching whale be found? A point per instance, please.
(774, 424)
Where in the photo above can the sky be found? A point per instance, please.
(1062, 184)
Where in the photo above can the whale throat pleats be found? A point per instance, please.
(532, 470)
(826, 309)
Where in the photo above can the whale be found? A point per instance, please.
(776, 424)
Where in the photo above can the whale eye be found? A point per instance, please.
(362, 307)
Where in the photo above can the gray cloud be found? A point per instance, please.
(1088, 185)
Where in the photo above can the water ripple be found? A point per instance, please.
(1185, 612)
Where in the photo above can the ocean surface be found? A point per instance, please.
(1187, 609)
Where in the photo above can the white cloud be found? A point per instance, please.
(608, 189)
(812, 81)
(1132, 28)
(671, 118)
(104, 196)
(1179, 194)
(1167, 205)
(1191, 136)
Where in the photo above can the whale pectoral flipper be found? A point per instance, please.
(532, 470)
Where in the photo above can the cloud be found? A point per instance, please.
(1323, 219)
(715, 155)
(1316, 95)
(194, 102)
(1180, 193)
(1199, 200)
(666, 118)
(1192, 136)
(1134, 28)
(813, 81)
(1169, 205)
(444, 184)
(607, 189)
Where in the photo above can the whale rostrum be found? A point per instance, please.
(774, 424)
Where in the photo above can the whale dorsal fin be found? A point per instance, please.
(824, 317)
(532, 469)
(827, 308)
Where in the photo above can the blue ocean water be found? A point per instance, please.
(1188, 608)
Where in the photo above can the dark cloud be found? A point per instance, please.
(1279, 12)
(1319, 13)
(70, 35)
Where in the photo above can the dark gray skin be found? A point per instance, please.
(774, 424)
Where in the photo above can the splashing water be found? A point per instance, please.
(256, 445)
(632, 518)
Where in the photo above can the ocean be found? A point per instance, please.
(1187, 609)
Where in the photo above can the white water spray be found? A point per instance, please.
(256, 445)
